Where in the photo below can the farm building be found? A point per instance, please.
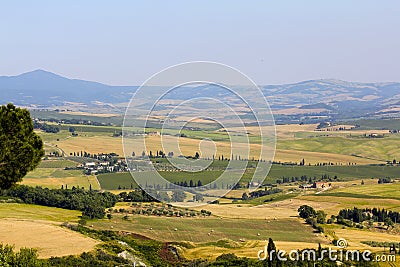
(316, 185)
(321, 185)
(153, 133)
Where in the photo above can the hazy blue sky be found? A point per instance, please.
(124, 42)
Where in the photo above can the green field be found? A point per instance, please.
(343, 172)
(381, 149)
(113, 181)
(51, 174)
(197, 229)
(42, 114)
(376, 191)
(59, 163)
(35, 212)
(381, 124)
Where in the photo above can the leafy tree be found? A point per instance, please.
(93, 211)
(25, 257)
(306, 212)
(321, 217)
(20, 147)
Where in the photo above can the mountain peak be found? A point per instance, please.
(39, 73)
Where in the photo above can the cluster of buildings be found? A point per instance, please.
(317, 185)
(93, 168)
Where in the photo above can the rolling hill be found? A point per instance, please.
(333, 99)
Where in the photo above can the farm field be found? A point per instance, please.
(54, 183)
(378, 191)
(35, 212)
(33, 226)
(197, 229)
(248, 249)
(379, 149)
(336, 148)
(241, 227)
(361, 196)
(51, 174)
(49, 239)
(114, 181)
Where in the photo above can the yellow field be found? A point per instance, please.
(354, 237)
(108, 144)
(315, 157)
(81, 181)
(33, 226)
(50, 239)
(81, 113)
(277, 210)
(371, 188)
(246, 249)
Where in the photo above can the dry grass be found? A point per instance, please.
(48, 238)
(52, 183)
(187, 146)
(376, 195)
(315, 157)
(292, 111)
(91, 144)
(81, 113)
(354, 238)
(247, 249)
(349, 202)
(279, 210)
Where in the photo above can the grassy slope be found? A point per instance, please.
(379, 149)
(197, 229)
(362, 196)
(35, 212)
(314, 149)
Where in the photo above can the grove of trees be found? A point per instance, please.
(91, 203)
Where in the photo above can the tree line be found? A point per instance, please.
(45, 127)
(91, 203)
(313, 217)
(305, 178)
(375, 214)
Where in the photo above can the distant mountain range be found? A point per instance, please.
(45, 89)
(334, 98)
